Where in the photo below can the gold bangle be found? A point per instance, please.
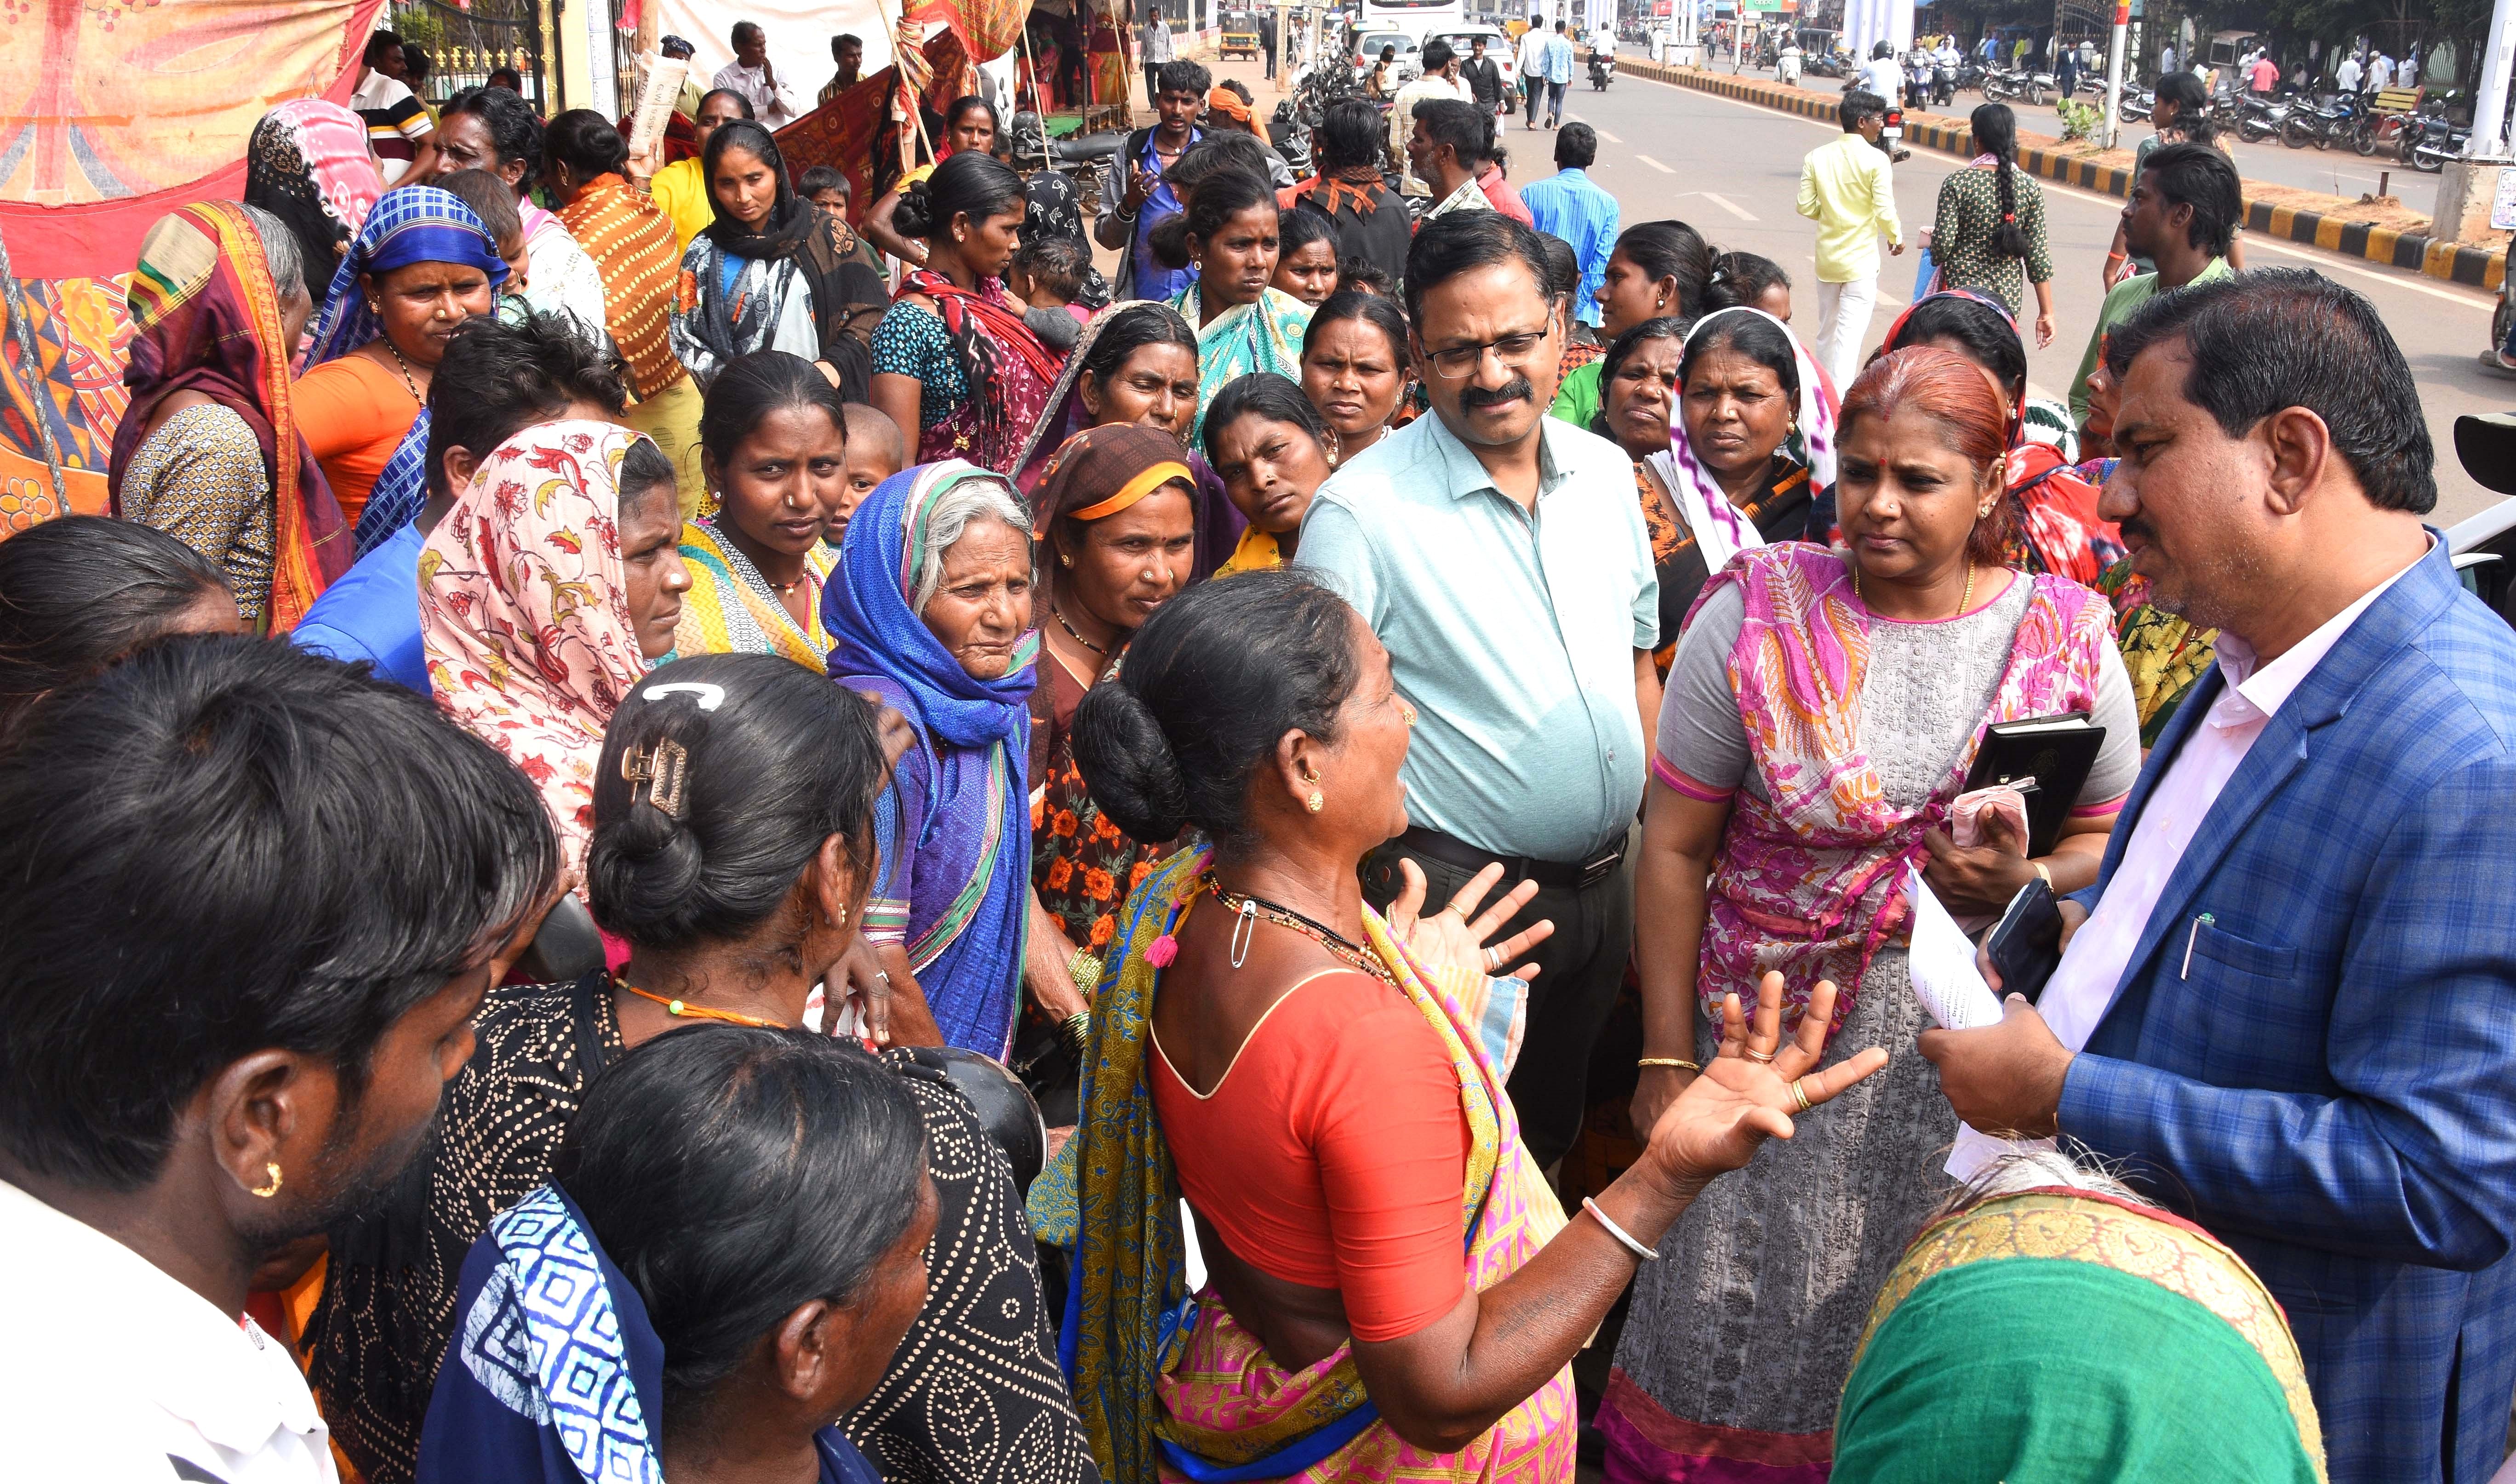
(2046, 875)
(1085, 971)
(1670, 1062)
(1079, 1030)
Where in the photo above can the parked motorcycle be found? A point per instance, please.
(1292, 137)
(1827, 64)
(1970, 75)
(2138, 106)
(2429, 139)
(2005, 84)
(2259, 119)
(2322, 125)
(1082, 160)
(1603, 70)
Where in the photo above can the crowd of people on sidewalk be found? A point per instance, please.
(670, 835)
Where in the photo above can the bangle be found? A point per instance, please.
(2044, 874)
(1078, 1029)
(1670, 1062)
(1084, 968)
(1622, 1236)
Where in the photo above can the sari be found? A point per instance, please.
(957, 892)
(308, 165)
(2059, 1334)
(1261, 335)
(524, 609)
(796, 285)
(2163, 652)
(631, 242)
(1170, 1385)
(732, 609)
(556, 1374)
(1008, 373)
(205, 317)
(1719, 528)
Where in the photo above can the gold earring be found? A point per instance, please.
(272, 1189)
(1315, 801)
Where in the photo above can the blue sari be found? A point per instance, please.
(957, 817)
(555, 1375)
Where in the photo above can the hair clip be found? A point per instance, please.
(662, 768)
(710, 697)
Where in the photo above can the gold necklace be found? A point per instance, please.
(1964, 599)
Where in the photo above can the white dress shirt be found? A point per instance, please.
(774, 106)
(120, 1374)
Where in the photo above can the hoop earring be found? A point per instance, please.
(272, 1189)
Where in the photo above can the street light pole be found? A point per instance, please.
(2490, 106)
(2115, 73)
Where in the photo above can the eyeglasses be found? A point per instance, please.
(1460, 362)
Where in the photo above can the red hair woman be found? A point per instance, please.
(1820, 716)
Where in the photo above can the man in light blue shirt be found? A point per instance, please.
(497, 380)
(1500, 555)
(1572, 206)
(1559, 73)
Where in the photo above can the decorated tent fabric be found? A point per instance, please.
(856, 134)
(60, 389)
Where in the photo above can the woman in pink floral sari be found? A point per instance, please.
(1393, 1292)
(1820, 716)
(547, 592)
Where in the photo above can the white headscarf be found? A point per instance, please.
(1721, 531)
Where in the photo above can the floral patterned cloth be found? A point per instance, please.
(1082, 865)
(524, 608)
(1810, 880)
(2163, 652)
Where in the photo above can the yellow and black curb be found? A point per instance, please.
(2477, 267)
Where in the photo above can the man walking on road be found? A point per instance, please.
(1533, 69)
(1559, 76)
(1570, 206)
(1483, 77)
(1849, 189)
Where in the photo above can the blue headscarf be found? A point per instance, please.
(555, 1373)
(412, 223)
(959, 890)
(400, 491)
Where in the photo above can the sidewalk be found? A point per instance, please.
(2372, 233)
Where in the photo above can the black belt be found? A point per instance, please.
(1458, 853)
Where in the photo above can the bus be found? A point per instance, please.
(1417, 18)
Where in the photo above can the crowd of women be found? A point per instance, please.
(883, 671)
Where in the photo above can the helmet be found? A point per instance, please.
(1882, 49)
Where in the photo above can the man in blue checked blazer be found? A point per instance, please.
(2289, 1000)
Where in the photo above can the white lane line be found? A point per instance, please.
(1724, 202)
(1654, 164)
(1605, 135)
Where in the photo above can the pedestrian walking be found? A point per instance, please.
(1157, 54)
(1989, 231)
(1533, 70)
(1848, 188)
(1570, 206)
(1559, 73)
(1484, 77)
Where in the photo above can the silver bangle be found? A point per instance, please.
(1648, 1254)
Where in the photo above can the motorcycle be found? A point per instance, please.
(2005, 84)
(2138, 106)
(1292, 137)
(2429, 139)
(1944, 85)
(1083, 161)
(1827, 64)
(2259, 119)
(1603, 70)
(2321, 125)
(1786, 66)
(1970, 75)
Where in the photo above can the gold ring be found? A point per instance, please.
(1799, 1094)
(1764, 1058)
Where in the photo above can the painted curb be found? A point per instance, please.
(2477, 268)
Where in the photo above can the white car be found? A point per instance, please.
(1409, 65)
(1499, 49)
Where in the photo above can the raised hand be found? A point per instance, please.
(1752, 1089)
(1455, 937)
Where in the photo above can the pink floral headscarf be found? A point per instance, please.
(524, 607)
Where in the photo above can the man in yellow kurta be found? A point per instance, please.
(1848, 188)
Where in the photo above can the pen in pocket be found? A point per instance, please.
(2188, 943)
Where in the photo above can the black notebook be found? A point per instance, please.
(2054, 753)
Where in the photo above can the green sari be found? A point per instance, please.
(2062, 1335)
(1264, 336)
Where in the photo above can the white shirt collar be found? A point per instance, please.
(2258, 693)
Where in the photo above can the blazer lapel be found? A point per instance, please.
(2323, 697)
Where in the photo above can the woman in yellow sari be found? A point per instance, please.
(774, 448)
(1393, 1292)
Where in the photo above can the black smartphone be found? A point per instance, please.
(2025, 944)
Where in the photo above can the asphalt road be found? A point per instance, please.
(1732, 169)
(2339, 172)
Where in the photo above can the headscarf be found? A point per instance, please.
(308, 165)
(1719, 528)
(410, 224)
(524, 607)
(2063, 1334)
(972, 865)
(400, 489)
(205, 317)
(1102, 470)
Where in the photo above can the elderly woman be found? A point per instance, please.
(775, 453)
(78, 592)
(1749, 451)
(1135, 364)
(2122, 1311)
(734, 854)
(630, 241)
(209, 450)
(307, 164)
(1326, 1088)
(771, 273)
(1355, 368)
(1821, 714)
(1273, 452)
(544, 596)
(420, 265)
(1243, 322)
(1117, 526)
(492, 129)
(932, 611)
(952, 359)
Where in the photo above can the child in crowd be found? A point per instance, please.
(1744, 280)
(493, 201)
(875, 452)
(826, 188)
(1047, 278)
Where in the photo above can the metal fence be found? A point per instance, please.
(465, 45)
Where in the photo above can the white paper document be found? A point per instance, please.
(1941, 962)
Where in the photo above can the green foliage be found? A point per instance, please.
(2078, 120)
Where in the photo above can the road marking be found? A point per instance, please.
(1605, 135)
(1654, 164)
(1742, 213)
